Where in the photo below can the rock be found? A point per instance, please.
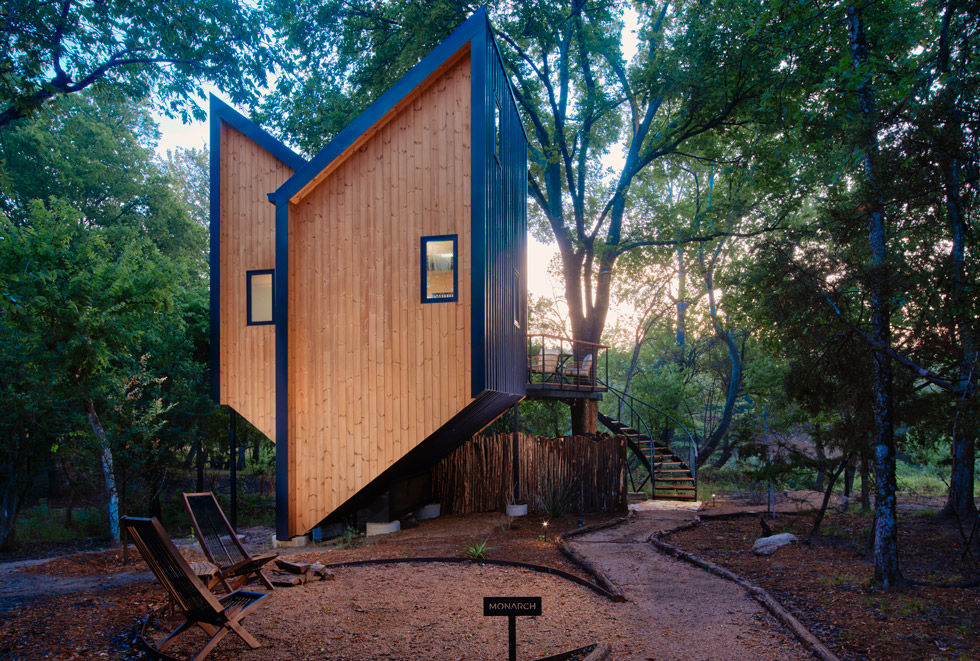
(768, 545)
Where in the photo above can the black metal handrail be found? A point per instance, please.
(628, 400)
(563, 364)
(635, 423)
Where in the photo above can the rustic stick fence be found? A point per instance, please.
(478, 475)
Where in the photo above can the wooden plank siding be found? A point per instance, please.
(247, 243)
(372, 371)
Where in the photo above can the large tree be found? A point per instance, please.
(582, 96)
(95, 255)
(57, 47)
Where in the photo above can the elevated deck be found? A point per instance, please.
(560, 368)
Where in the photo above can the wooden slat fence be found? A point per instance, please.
(477, 476)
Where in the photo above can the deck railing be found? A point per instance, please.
(562, 365)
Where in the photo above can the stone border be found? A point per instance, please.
(811, 642)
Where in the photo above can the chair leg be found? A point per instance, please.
(215, 639)
(227, 585)
(265, 580)
(244, 635)
(165, 643)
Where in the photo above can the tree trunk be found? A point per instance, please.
(107, 472)
(734, 389)
(886, 522)
(727, 450)
(960, 502)
(681, 298)
(826, 496)
(585, 417)
(848, 483)
(865, 484)
(11, 499)
(821, 467)
(201, 458)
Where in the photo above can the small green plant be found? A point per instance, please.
(556, 499)
(477, 551)
(350, 538)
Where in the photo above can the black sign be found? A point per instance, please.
(512, 606)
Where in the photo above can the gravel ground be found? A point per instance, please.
(435, 611)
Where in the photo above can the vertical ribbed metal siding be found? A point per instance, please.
(505, 234)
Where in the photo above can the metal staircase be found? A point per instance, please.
(671, 476)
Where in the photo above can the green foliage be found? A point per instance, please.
(556, 499)
(142, 47)
(41, 523)
(351, 538)
(548, 418)
(477, 551)
(100, 271)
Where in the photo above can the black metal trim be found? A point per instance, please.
(478, 205)
(214, 256)
(440, 237)
(281, 315)
(221, 110)
(248, 297)
(472, 27)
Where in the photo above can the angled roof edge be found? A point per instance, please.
(510, 83)
(391, 98)
(222, 111)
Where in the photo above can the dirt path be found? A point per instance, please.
(18, 587)
(686, 613)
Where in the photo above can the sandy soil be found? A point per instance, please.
(435, 611)
(419, 611)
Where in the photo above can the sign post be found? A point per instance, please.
(511, 607)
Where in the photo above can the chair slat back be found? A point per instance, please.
(169, 566)
(213, 530)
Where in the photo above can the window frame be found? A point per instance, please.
(425, 240)
(516, 297)
(498, 129)
(248, 297)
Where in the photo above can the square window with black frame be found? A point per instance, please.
(439, 268)
(259, 285)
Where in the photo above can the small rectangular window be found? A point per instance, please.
(517, 298)
(439, 268)
(261, 308)
(496, 128)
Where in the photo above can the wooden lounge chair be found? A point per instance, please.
(220, 543)
(547, 363)
(581, 375)
(216, 615)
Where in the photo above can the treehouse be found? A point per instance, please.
(368, 307)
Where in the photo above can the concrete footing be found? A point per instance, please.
(382, 527)
(293, 542)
